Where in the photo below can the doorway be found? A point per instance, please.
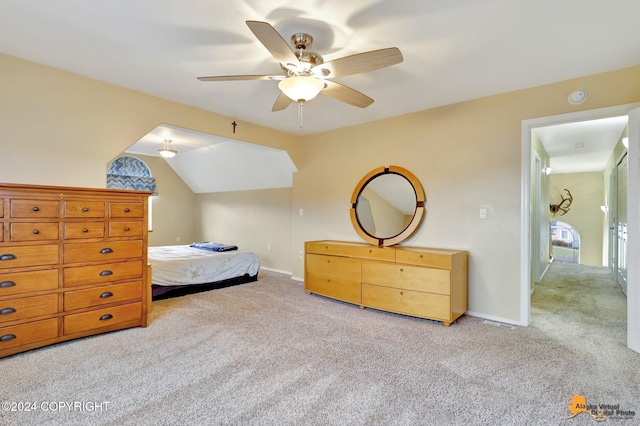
(565, 243)
(633, 210)
(528, 188)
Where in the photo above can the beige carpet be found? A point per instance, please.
(267, 353)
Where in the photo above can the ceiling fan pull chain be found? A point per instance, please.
(300, 112)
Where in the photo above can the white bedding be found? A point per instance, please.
(181, 265)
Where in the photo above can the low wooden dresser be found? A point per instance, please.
(420, 282)
(73, 263)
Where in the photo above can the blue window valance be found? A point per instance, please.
(130, 173)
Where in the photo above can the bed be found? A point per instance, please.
(182, 269)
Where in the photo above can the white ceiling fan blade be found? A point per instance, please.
(273, 41)
(346, 94)
(360, 62)
(241, 77)
(281, 103)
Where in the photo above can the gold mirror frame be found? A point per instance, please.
(417, 216)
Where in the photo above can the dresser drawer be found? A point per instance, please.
(24, 334)
(407, 277)
(334, 266)
(1, 207)
(125, 229)
(28, 307)
(79, 230)
(99, 274)
(328, 248)
(374, 253)
(433, 258)
(103, 251)
(35, 208)
(415, 303)
(84, 209)
(126, 209)
(102, 295)
(337, 288)
(26, 282)
(106, 317)
(19, 256)
(33, 231)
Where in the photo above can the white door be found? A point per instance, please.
(613, 220)
(633, 232)
(621, 225)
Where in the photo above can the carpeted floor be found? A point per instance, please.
(266, 353)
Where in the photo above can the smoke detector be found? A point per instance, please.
(577, 97)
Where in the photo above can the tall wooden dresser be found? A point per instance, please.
(73, 263)
(415, 281)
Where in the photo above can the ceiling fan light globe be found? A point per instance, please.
(301, 88)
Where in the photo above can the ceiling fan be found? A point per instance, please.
(305, 72)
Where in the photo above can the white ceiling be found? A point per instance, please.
(453, 50)
(583, 146)
(208, 163)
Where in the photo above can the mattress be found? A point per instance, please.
(184, 265)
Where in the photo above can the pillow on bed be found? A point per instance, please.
(206, 245)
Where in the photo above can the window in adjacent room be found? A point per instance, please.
(133, 174)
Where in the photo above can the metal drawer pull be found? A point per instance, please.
(85, 230)
(106, 250)
(85, 209)
(106, 273)
(7, 311)
(7, 337)
(106, 294)
(6, 284)
(126, 228)
(8, 257)
(35, 231)
(106, 317)
(35, 209)
(127, 210)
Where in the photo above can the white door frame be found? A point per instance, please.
(525, 190)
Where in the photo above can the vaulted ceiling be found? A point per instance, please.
(453, 50)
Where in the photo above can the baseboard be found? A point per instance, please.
(297, 279)
(492, 318)
(279, 271)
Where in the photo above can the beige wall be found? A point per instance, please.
(584, 214)
(64, 129)
(173, 209)
(60, 128)
(258, 221)
(467, 156)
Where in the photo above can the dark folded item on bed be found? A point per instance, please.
(205, 245)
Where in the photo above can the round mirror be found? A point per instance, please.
(387, 205)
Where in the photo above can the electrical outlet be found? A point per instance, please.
(177, 239)
(483, 213)
(301, 253)
(268, 247)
